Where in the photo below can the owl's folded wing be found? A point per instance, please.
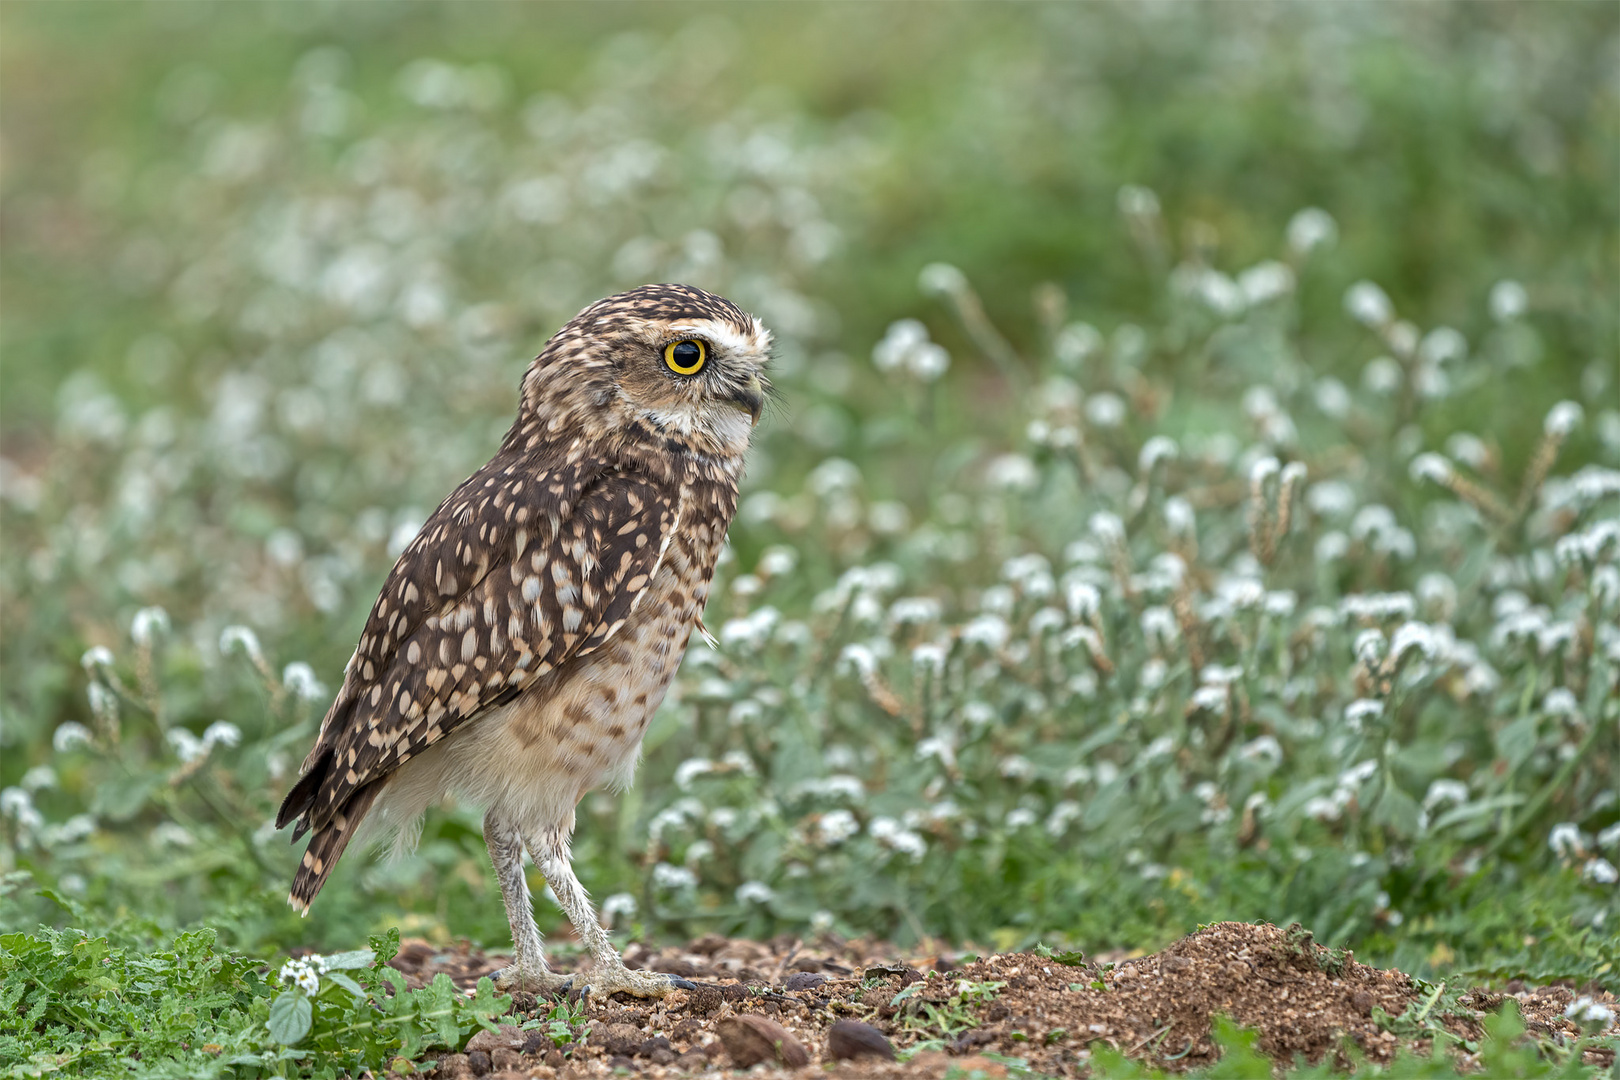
(511, 578)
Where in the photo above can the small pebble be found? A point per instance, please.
(848, 1039)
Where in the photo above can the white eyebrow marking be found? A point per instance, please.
(722, 335)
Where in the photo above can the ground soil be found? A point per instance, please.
(1305, 1001)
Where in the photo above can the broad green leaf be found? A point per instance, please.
(290, 1016)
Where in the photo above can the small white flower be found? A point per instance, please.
(221, 733)
(1084, 599)
(941, 279)
(1158, 448)
(1311, 228)
(620, 904)
(1137, 201)
(37, 778)
(1601, 871)
(148, 623)
(187, 747)
(1362, 710)
(1016, 767)
(1012, 472)
(1562, 419)
(1020, 817)
(690, 770)
(930, 656)
(14, 802)
(1368, 304)
(777, 561)
(1045, 620)
(172, 834)
(1382, 375)
(70, 734)
(1107, 527)
(1508, 301)
(754, 892)
(670, 877)
(300, 681)
(902, 336)
(1077, 343)
(1566, 839)
(937, 746)
(1265, 282)
(1560, 701)
(1431, 467)
(1159, 624)
(1062, 815)
(1158, 748)
(859, 659)
(1323, 808)
(98, 656)
(915, 610)
(240, 637)
(987, 630)
(1443, 791)
(1442, 345)
(1105, 410)
(978, 714)
(928, 362)
(1266, 748)
(1210, 698)
(1414, 635)
(836, 826)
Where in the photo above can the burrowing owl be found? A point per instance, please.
(526, 636)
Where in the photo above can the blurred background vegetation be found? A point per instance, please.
(271, 274)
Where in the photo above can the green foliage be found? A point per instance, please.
(938, 1012)
(77, 1005)
(1503, 1053)
(564, 1023)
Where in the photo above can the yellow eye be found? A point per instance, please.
(685, 357)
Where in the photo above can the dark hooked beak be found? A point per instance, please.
(749, 398)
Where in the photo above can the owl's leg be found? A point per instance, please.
(609, 976)
(528, 970)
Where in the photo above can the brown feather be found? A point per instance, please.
(326, 847)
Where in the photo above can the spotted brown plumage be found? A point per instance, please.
(526, 635)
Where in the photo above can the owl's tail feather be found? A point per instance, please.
(326, 847)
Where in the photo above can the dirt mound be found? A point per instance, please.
(779, 1002)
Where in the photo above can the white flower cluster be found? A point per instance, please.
(304, 973)
(906, 347)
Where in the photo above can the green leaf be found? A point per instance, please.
(348, 961)
(337, 978)
(290, 1018)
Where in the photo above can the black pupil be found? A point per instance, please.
(687, 353)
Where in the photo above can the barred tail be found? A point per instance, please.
(326, 847)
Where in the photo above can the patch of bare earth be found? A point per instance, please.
(831, 1005)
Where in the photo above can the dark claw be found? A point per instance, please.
(681, 984)
(577, 997)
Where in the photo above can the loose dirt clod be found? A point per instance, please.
(848, 1039)
(751, 1008)
(752, 1039)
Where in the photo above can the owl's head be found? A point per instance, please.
(660, 364)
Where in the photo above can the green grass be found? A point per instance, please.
(1061, 645)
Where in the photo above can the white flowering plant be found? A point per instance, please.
(1267, 569)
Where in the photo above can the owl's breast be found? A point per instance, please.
(586, 720)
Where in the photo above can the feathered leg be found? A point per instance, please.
(528, 971)
(609, 976)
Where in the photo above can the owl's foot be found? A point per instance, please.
(515, 978)
(612, 978)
